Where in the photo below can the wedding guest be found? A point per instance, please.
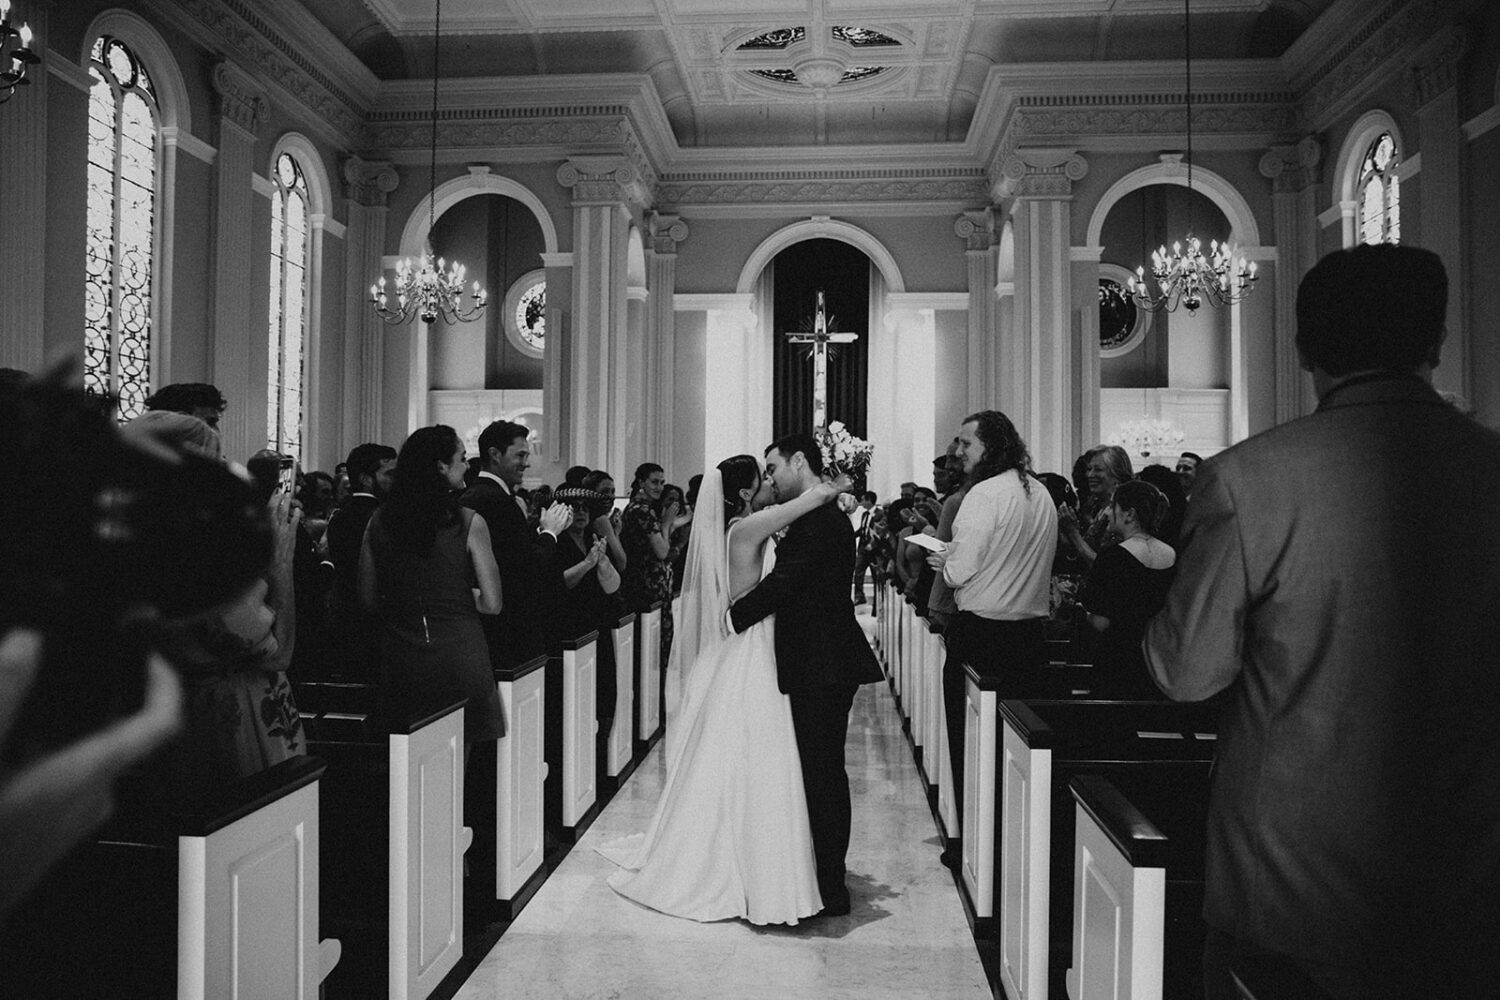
(863, 553)
(1187, 471)
(182, 433)
(196, 399)
(941, 607)
(646, 533)
(1068, 571)
(422, 556)
(677, 550)
(312, 580)
(574, 476)
(999, 566)
(1125, 588)
(1170, 485)
(1086, 531)
(591, 587)
(527, 556)
(1340, 586)
(316, 496)
(606, 522)
(355, 647)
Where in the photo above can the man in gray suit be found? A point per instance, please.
(1340, 586)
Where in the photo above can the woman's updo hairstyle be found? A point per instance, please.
(1149, 503)
(738, 472)
(643, 472)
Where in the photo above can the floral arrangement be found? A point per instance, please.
(1145, 436)
(843, 453)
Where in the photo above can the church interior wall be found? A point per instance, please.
(950, 375)
(67, 219)
(1484, 264)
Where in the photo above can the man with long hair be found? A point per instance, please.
(999, 566)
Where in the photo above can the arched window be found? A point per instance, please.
(290, 245)
(1380, 192)
(122, 177)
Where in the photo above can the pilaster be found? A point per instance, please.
(1293, 172)
(238, 307)
(665, 232)
(1044, 347)
(981, 236)
(1433, 82)
(23, 217)
(595, 381)
(367, 184)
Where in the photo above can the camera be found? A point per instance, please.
(100, 543)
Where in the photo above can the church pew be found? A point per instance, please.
(947, 794)
(219, 898)
(1043, 745)
(393, 805)
(980, 812)
(920, 652)
(619, 738)
(520, 777)
(648, 678)
(935, 755)
(572, 726)
(1138, 869)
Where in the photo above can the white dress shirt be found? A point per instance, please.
(1000, 560)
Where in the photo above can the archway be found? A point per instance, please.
(1243, 232)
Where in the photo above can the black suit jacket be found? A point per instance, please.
(346, 532)
(529, 574)
(818, 642)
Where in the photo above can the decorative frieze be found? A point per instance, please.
(1383, 37)
(417, 134)
(239, 98)
(969, 189)
(1434, 68)
(236, 28)
(1130, 120)
(368, 182)
(1292, 168)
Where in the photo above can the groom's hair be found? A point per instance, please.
(805, 443)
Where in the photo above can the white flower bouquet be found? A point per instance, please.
(843, 453)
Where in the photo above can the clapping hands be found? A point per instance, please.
(556, 518)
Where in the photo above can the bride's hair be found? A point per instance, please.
(738, 472)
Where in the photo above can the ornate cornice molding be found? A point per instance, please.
(812, 187)
(1041, 173)
(368, 182)
(239, 99)
(235, 27)
(1274, 114)
(1392, 30)
(666, 231)
(1294, 167)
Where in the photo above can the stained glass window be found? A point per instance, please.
(288, 313)
(1380, 193)
(122, 165)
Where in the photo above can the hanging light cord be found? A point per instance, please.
(437, 33)
(1187, 46)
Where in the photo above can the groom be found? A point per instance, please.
(821, 653)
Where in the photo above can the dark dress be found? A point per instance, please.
(647, 579)
(1123, 590)
(431, 640)
(584, 608)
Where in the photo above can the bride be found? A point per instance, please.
(730, 837)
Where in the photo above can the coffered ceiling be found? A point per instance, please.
(733, 73)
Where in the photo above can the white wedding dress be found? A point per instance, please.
(730, 837)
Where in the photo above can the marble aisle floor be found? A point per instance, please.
(905, 937)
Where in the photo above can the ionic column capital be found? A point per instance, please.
(1041, 173)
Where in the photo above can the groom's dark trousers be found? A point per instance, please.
(821, 659)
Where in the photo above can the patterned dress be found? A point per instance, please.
(647, 578)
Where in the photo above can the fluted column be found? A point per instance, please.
(980, 235)
(1293, 171)
(665, 232)
(595, 382)
(1434, 84)
(238, 307)
(1043, 336)
(366, 187)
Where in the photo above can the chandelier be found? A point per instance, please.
(1187, 276)
(421, 290)
(21, 56)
